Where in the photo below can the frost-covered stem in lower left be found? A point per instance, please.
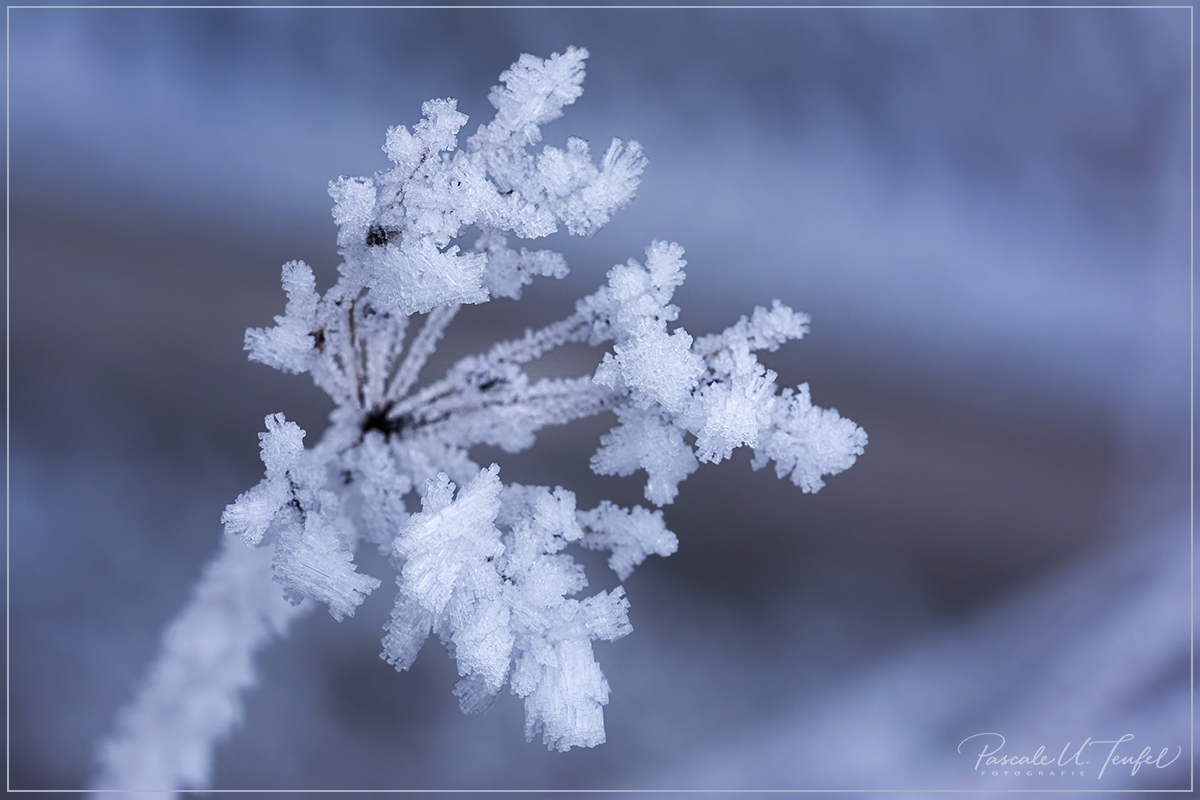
(205, 662)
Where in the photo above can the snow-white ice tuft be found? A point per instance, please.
(485, 566)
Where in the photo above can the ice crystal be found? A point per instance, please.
(482, 564)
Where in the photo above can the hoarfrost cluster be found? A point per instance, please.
(483, 564)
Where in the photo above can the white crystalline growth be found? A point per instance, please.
(500, 600)
(282, 447)
(631, 534)
(289, 345)
(485, 566)
(715, 390)
(808, 442)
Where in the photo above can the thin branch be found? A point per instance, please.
(421, 349)
(489, 418)
(534, 344)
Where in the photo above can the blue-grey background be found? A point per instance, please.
(985, 211)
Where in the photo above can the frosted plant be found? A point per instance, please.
(482, 564)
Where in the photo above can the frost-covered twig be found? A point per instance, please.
(190, 698)
(483, 564)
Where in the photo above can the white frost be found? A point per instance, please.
(488, 568)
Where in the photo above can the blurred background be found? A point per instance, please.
(985, 211)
